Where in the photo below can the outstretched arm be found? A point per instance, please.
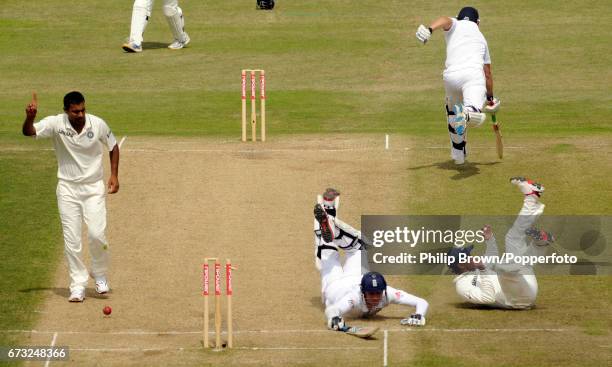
(28, 125)
(399, 297)
(423, 33)
(443, 22)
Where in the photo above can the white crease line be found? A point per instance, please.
(385, 347)
(199, 348)
(478, 330)
(142, 150)
(471, 147)
(52, 345)
(296, 331)
(122, 140)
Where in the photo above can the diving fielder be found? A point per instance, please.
(140, 17)
(80, 140)
(344, 290)
(512, 286)
(467, 77)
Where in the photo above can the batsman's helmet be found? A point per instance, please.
(469, 13)
(454, 254)
(373, 282)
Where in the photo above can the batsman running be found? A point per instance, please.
(509, 285)
(345, 290)
(467, 77)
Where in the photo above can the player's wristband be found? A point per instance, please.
(489, 97)
(431, 31)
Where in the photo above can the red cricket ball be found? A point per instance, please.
(107, 310)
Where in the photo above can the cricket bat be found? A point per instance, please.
(498, 138)
(360, 332)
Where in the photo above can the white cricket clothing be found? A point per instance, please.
(142, 11)
(79, 156)
(464, 81)
(81, 192)
(341, 289)
(466, 47)
(78, 202)
(346, 238)
(517, 288)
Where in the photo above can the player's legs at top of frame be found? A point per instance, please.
(141, 12)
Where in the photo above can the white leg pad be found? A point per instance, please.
(176, 22)
(475, 119)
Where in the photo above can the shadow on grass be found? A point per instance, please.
(468, 169)
(471, 306)
(154, 45)
(65, 292)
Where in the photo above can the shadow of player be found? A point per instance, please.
(65, 292)
(154, 45)
(466, 170)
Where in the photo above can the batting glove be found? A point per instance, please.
(423, 34)
(414, 320)
(336, 323)
(492, 105)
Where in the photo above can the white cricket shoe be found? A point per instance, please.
(77, 295)
(131, 47)
(178, 44)
(458, 156)
(102, 285)
(527, 186)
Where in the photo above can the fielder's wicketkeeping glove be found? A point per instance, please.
(265, 4)
(414, 320)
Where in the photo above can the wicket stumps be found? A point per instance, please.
(228, 293)
(262, 97)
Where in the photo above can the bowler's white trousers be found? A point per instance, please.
(78, 202)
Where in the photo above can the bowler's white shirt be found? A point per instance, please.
(79, 156)
(466, 47)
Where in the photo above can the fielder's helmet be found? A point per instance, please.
(373, 282)
(469, 13)
(454, 253)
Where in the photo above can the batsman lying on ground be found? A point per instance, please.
(506, 285)
(344, 290)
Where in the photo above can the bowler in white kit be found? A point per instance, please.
(468, 80)
(345, 290)
(80, 140)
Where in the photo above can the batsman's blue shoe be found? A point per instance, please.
(131, 47)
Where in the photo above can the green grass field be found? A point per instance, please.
(332, 66)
